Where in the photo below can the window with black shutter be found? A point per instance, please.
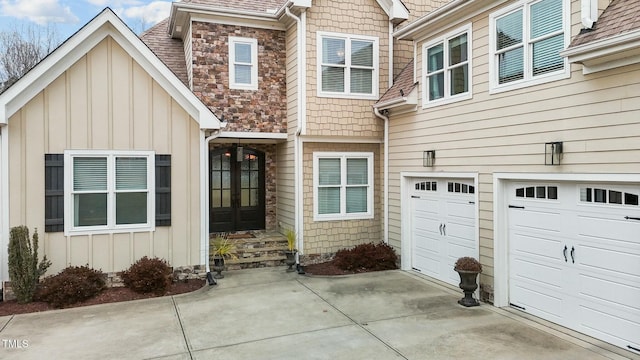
(54, 192)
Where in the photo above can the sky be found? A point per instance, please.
(67, 16)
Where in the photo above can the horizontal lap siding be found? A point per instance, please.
(106, 101)
(597, 117)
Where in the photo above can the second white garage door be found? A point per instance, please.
(443, 226)
(574, 257)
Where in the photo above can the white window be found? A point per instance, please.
(525, 41)
(347, 66)
(109, 191)
(447, 67)
(343, 186)
(243, 63)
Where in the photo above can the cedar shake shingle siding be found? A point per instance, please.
(262, 110)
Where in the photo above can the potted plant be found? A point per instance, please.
(468, 268)
(223, 249)
(291, 249)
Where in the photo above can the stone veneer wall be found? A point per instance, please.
(262, 110)
(269, 179)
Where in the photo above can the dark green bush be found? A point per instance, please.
(367, 257)
(73, 284)
(24, 269)
(148, 275)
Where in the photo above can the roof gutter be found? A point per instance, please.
(407, 31)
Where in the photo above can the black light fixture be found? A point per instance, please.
(429, 158)
(552, 153)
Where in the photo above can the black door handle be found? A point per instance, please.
(564, 252)
(444, 229)
(440, 229)
(573, 259)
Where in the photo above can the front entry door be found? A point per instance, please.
(237, 190)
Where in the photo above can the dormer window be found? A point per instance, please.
(243, 63)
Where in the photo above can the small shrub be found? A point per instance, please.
(467, 263)
(367, 257)
(24, 269)
(148, 275)
(71, 285)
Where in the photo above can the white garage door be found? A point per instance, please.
(574, 257)
(443, 226)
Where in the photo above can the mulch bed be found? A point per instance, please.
(329, 268)
(109, 295)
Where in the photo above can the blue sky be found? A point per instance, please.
(67, 16)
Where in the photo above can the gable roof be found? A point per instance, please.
(105, 24)
(401, 93)
(169, 50)
(614, 42)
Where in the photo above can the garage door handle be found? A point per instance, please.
(564, 252)
(444, 229)
(515, 207)
(440, 229)
(573, 259)
(631, 218)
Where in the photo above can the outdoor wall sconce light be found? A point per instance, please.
(552, 153)
(429, 158)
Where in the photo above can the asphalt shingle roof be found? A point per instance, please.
(402, 84)
(247, 5)
(619, 17)
(170, 51)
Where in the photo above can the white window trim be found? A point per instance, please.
(111, 227)
(343, 215)
(565, 73)
(347, 93)
(254, 63)
(447, 99)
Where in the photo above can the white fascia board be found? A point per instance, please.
(619, 50)
(445, 17)
(253, 135)
(104, 25)
(409, 100)
(218, 15)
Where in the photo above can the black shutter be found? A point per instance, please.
(53, 192)
(163, 190)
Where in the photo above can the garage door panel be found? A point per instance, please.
(538, 303)
(456, 210)
(543, 221)
(596, 290)
(618, 330)
(443, 227)
(426, 208)
(609, 232)
(611, 262)
(546, 278)
(610, 294)
(547, 249)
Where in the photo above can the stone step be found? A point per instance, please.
(263, 249)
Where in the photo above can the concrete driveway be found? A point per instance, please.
(270, 314)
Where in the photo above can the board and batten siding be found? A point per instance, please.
(596, 116)
(106, 101)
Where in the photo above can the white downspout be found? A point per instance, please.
(298, 146)
(4, 206)
(385, 173)
(204, 198)
(390, 54)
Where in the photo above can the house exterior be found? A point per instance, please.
(514, 137)
(101, 153)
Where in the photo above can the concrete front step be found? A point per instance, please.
(259, 249)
